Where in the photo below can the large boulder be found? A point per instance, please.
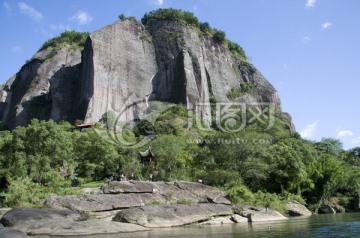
(326, 209)
(83, 228)
(295, 208)
(258, 214)
(52, 222)
(172, 215)
(22, 218)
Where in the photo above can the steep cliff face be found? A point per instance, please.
(127, 62)
(44, 88)
(118, 68)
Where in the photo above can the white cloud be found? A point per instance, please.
(30, 11)
(309, 130)
(344, 133)
(59, 27)
(16, 50)
(305, 39)
(82, 18)
(326, 25)
(310, 3)
(157, 2)
(7, 7)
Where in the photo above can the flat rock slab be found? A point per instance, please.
(172, 215)
(258, 214)
(195, 192)
(83, 228)
(10, 233)
(212, 194)
(125, 194)
(218, 221)
(103, 202)
(115, 187)
(297, 209)
(239, 219)
(20, 218)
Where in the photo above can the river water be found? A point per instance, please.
(339, 225)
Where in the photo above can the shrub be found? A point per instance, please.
(205, 27)
(122, 17)
(236, 50)
(238, 193)
(55, 181)
(21, 193)
(234, 93)
(219, 36)
(237, 92)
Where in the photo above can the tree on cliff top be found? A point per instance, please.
(188, 18)
(172, 15)
(71, 38)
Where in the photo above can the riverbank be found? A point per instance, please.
(134, 206)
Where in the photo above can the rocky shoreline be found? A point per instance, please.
(133, 206)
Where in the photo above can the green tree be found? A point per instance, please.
(205, 27)
(108, 119)
(174, 156)
(219, 36)
(287, 169)
(96, 158)
(122, 17)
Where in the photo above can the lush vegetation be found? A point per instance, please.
(237, 92)
(171, 14)
(68, 38)
(189, 19)
(254, 166)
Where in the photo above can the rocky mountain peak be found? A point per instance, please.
(129, 61)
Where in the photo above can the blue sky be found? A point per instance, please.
(308, 49)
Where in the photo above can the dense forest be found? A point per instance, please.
(253, 166)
